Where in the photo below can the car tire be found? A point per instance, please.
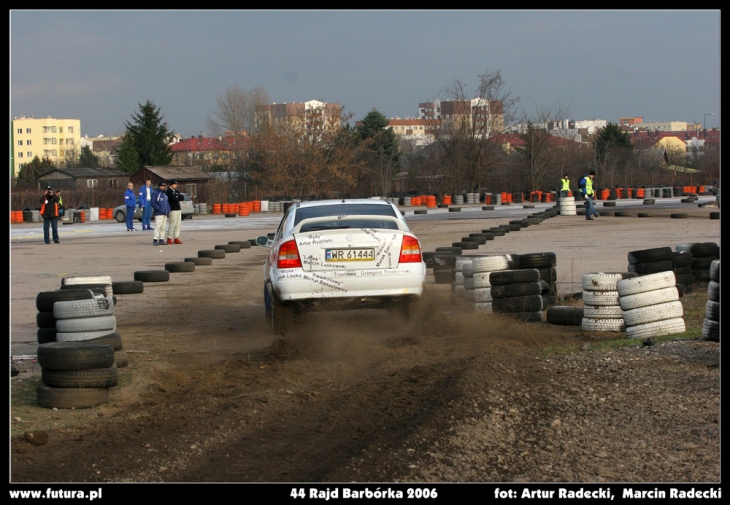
(121, 359)
(86, 324)
(565, 315)
(127, 287)
(88, 378)
(657, 328)
(282, 316)
(180, 266)
(120, 217)
(648, 298)
(152, 275)
(74, 355)
(644, 283)
(200, 261)
(245, 244)
(593, 324)
(83, 308)
(71, 398)
(215, 254)
(45, 299)
(229, 248)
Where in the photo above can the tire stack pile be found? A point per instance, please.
(75, 374)
(545, 263)
(457, 285)
(99, 284)
(651, 305)
(517, 293)
(682, 267)
(45, 318)
(477, 284)
(567, 206)
(442, 262)
(711, 324)
(650, 261)
(703, 254)
(601, 308)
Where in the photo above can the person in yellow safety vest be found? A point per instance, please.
(587, 188)
(565, 186)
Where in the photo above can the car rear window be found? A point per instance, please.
(350, 209)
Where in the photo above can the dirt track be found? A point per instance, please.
(211, 395)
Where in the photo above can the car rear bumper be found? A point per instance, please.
(294, 284)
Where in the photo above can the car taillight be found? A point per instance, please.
(288, 255)
(410, 250)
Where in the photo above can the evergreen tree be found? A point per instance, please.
(150, 136)
(88, 158)
(28, 175)
(128, 159)
(610, 139)
(382, 144)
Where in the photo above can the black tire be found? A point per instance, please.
(45, 299)
(538, 260)
(623, 213)
(714, 215)
(644, 214)
(245, 244)
(200, 261)
(71, 398)
(119, 216)
(488, 207)
(703, 262)
(45, 320)
(682, 259)
(504, 277)
(704, 249)
(440, 260)
(711, 330)
(97, 289)
(497, 232)
(609, 204)
(456, 251)
(713, 291)
(180, 266)
(515, 290)
(651, 267)
(421, 211)
(231, 215)
(565, 315)
(75, 355)
(454, 209)
(712, 310)
(229, 248)
(679, 215)
(515, 227)
(46, 335)
(468, 245)
(127, 287)
(114, 339)
(645, 255)
(649, 201)
(715, 270)
(215, 254)
(88, 378)
(478, 240)
(152, 276)
(517, 304)
(282, 316)
(121, 359)
(529, 206)
(443, 275)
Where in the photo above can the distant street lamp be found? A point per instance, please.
(704, 119)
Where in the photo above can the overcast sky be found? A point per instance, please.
(99, 65)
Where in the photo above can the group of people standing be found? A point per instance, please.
(163, 204)
(585, 184)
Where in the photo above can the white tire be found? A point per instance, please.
(492, 263)
(657, 328)
(649, 298)
(571, 212)
(481, 295)
(458, 278)
(86, 324)
(95, 307)
(483, 308)
(567, 199)
(460, 262)
(645, 283)
(469, 295)
(603, 281)
(481, 280)
(600, 298)
(81, 335)
(591, 324)
(94, 279)
(651, 313)
(603, 312)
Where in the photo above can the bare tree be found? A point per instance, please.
(466, 126)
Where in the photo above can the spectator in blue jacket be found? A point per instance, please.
(130, 200)
(145, 203)
(161, 209)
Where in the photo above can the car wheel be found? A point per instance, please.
(119, 216)
(282, 316)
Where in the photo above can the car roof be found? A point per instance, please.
(345, 201)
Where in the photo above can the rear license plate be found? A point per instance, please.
(366, 254)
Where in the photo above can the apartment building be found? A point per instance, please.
(46, 138)
(312, 117)
(485, 116)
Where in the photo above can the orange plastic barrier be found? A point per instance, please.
(217, 208)
(257, 205)
(431, 202)
(82, 215)
(640, 192)
(447, 199)
(487, 199)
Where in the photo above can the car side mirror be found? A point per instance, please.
(264, 241)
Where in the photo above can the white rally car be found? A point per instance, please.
(341, 254)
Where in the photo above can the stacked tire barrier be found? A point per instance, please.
(601, 308)
(45, 318)
(565, 315)
(651, 305)
(477, 284)
(75, 374)
(545, 263)
(518, 294)
(711, 324)
(650, 261)
(567, 206)
(457, 285)
(703, 254)
(682, 268)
